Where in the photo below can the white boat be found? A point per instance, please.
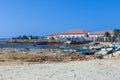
(95, 47)
(115, 46)
(104, 51)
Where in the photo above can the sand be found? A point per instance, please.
(105, 69)
(87, 69)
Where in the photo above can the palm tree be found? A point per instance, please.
(116, 32)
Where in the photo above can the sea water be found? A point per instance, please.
(18, 46)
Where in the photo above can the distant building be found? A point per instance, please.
(73, 34)
(54, 36)
(100, 34)
(79, 35)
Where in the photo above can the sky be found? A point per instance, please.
(41, 17)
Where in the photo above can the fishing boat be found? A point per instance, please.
(63, 48)
(104, 51)
(85, 51)
(115, 46)
(96, 47)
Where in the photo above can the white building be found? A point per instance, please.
(54, 36)
(100, 34)
(73, 34)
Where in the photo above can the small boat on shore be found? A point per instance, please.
(86, 51)
(104, 52)
(83, 51)
(63, 48)
(115, 46)
(96, 47)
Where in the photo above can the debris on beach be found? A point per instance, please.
(38, 56)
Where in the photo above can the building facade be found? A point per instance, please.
(79, 35)
(53, 36)
(100, 34)
(72, 34)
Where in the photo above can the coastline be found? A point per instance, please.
(38, 64)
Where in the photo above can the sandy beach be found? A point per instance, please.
(18, 64)
(106, 69)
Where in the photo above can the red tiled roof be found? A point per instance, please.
(98, 33)
(110, 31)
(75, 32)
(53, 34)
(102, 32)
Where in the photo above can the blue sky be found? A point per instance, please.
(40, 17)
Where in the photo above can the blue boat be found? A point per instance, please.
(83, 51)
(115, 46)
(63, 48)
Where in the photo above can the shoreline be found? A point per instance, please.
(42, 65)
(43, 56)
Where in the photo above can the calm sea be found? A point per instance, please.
(4, 44)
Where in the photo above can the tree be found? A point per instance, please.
(19, 37)
(35, 37)
(25, 37)
(107, 34)
(30, 37)
(116, 32)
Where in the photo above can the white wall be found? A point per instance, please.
(50, 37)
(95, 36)
(72, 35)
